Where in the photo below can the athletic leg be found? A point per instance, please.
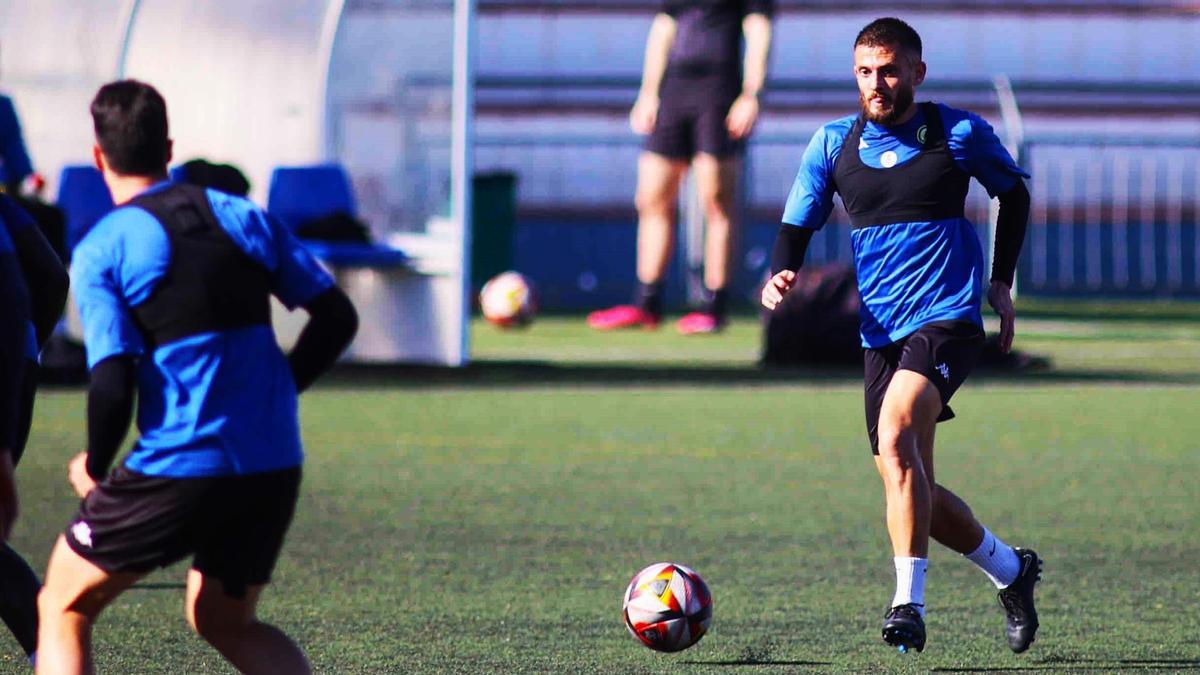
(19, 584)
(231, 626)
(657, 203)
(74, 594)
(716, 182)
(909, 411)
(19, 588)
(952, 523)
(657, 192)
(1014, 571)
(910, 408)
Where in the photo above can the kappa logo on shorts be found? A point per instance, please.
(944, 370)
(82, 533)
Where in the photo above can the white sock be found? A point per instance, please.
(910, 582)
(997, 560)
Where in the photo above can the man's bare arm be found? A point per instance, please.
(658, 49)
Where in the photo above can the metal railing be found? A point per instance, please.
(1114, 216)
(1110, 216)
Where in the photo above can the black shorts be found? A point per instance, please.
(233, 525)
(943, 351)
(691, 119)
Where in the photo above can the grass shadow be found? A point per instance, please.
(485, 374)
(757, 662)
(1106, 665)
(158, 586)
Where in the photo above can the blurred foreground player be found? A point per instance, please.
(33, 289)
(173, 288)
(697, 106)
(902, 170)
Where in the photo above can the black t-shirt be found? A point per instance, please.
(708, 35)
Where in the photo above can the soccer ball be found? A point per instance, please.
(508, 300)
(667, 607)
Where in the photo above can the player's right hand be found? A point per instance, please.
(78, 475)
(777, 286)
(644, 115)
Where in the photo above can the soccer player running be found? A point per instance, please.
(173, 288)
(33, 289)
(697, 105)
(902, 170)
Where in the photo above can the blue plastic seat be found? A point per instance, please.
(85, 199)
(302, 193)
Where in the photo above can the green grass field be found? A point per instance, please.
(487, 520)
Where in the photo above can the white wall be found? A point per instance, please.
(242, 79)
(54, 54)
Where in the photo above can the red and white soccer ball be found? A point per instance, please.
(508, 300)
(667, 607)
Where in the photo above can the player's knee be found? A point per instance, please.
(717, 203)
(897, 441)
(216, 627)
(897, 451)
(653, 202)
(53, 601)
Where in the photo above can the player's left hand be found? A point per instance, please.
(1000, 298)
(742, 116)
(78, 475)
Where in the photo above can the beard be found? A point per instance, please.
(892, 108)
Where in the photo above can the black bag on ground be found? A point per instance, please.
(337, 227)
(817, 322)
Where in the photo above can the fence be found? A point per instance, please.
(1113, 216)
(1110, 216)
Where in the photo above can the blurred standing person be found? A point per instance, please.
(697, 105)
(903, 169)
(33, 288)
(173, 288)
(14, 159)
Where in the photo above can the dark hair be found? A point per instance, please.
(890, 32)
(130, 119)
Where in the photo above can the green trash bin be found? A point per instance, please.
(493, 225)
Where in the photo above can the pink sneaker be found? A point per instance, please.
(622, 316)
(698, 323)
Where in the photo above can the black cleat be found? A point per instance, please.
(1021, 619)
(904, 629)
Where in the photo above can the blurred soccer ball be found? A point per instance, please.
(508, 300)
(667, 607)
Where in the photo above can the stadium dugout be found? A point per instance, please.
(272, 84)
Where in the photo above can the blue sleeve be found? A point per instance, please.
(14, 160)
(15, 218)
(296, 276)
(811, 199)
(96, 281)
(979, 151)
(14, 296)
(299, 277)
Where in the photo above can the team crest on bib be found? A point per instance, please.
(921, 133)
(889, 159)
